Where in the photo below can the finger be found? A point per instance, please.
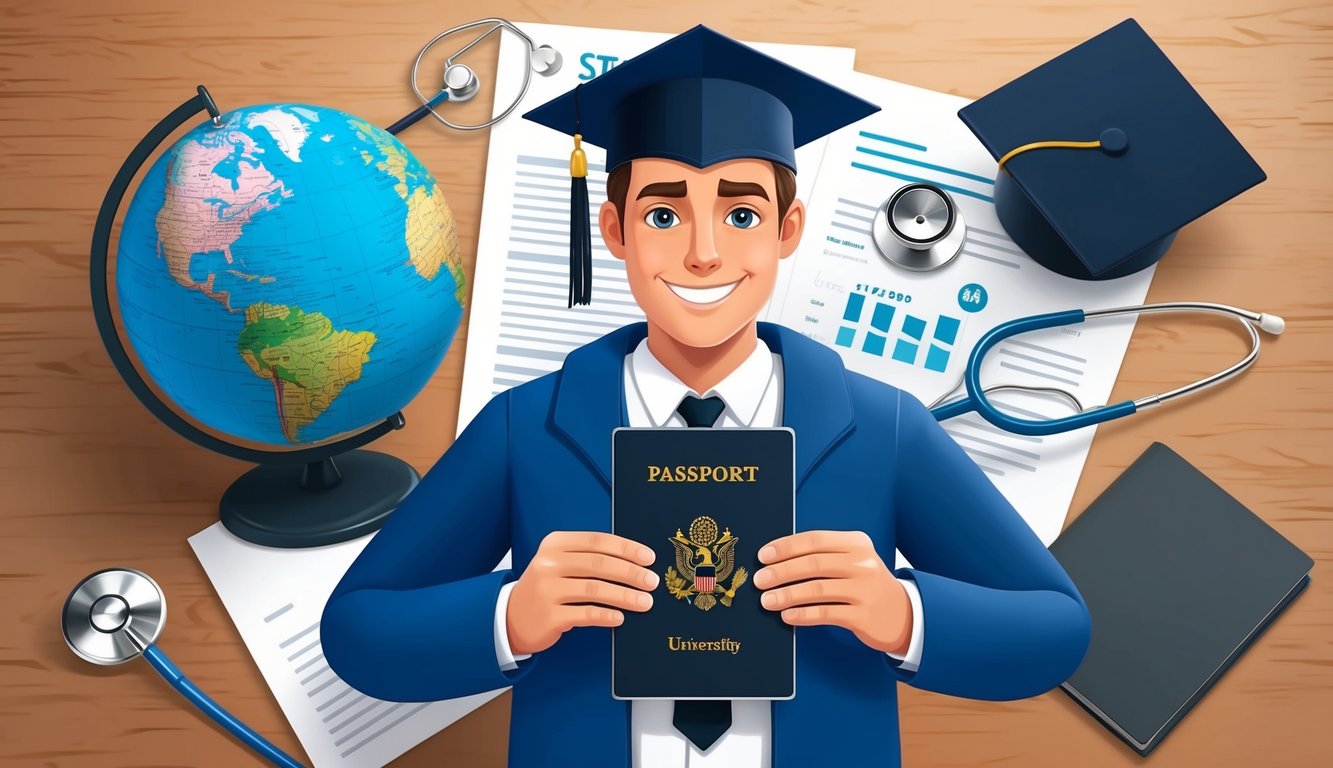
(810, 542)
(570, 616)
(580, 591)
(823, 565)
(810, 592)
(602, 543)
(815, 615)
(586, 565)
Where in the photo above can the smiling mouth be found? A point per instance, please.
(703, 295)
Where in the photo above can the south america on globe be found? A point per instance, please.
(290, 276)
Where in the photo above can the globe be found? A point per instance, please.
(289, 276)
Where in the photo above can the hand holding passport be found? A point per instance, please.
(577, 579)
(705, 502)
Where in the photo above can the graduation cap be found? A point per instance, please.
(699, 98)
(1105, 152)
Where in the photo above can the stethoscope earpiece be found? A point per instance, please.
(545, 60)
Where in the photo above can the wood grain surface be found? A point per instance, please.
(88, 479)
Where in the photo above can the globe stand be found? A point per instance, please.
(322, 502)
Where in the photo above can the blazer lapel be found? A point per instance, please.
(815, 400)
(590, 394)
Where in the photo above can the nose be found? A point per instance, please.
(703, 259)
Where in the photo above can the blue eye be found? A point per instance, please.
(661, 218)
(743, 218)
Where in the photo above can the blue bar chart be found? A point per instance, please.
(910, 344)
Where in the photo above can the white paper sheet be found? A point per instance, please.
(519, 327)
(275, 598)
(838, 274)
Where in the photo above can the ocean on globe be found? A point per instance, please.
(289, 277)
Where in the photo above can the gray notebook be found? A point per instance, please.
(1180, 579)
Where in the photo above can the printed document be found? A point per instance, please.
(275, 598)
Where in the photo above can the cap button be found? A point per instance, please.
(1114, 141)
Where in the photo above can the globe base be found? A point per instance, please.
(300, 505)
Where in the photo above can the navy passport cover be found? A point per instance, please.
(692, 645)
(1179, 579)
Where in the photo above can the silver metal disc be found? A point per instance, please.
(460, 82)
(923, 231)
(921, 214)
(109, 608)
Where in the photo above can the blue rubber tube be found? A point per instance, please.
(415, 115)
(211, 708)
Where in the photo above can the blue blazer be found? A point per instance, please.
(413, 619)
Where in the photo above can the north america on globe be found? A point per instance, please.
(291, 276)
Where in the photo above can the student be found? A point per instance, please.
(700, 135)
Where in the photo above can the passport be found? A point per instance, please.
(705, 501)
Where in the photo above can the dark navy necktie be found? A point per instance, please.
(702, 722)
(700, 411)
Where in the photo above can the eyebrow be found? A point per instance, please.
(663, 189)
(740, 189)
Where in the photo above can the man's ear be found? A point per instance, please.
(613, 234)
(792, 225)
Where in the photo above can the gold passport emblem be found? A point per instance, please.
(703, 563)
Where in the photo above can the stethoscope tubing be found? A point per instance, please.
(414, 117)
(975, 400)
(1254, 320)
(215, 711)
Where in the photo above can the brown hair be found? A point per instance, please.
(617, 189)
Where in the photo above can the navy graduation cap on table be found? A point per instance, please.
(699, 98)
(1105, 152)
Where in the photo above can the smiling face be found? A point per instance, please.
(701, 246)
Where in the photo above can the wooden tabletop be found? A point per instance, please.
(88, 479)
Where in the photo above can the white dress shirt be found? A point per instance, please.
(752, 395)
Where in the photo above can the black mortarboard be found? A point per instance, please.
(699, 98)
(1124, 153)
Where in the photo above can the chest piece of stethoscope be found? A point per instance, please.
(919, 228)
(460, 82)
(113, 615)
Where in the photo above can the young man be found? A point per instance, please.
(700, 136)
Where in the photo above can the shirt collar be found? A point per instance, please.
(742, 390)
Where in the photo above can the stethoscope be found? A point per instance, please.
(460, 81)
(115, 615)
(919, 228)
(974, 400)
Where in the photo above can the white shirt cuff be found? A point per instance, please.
(503, 655)
(912, 660)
